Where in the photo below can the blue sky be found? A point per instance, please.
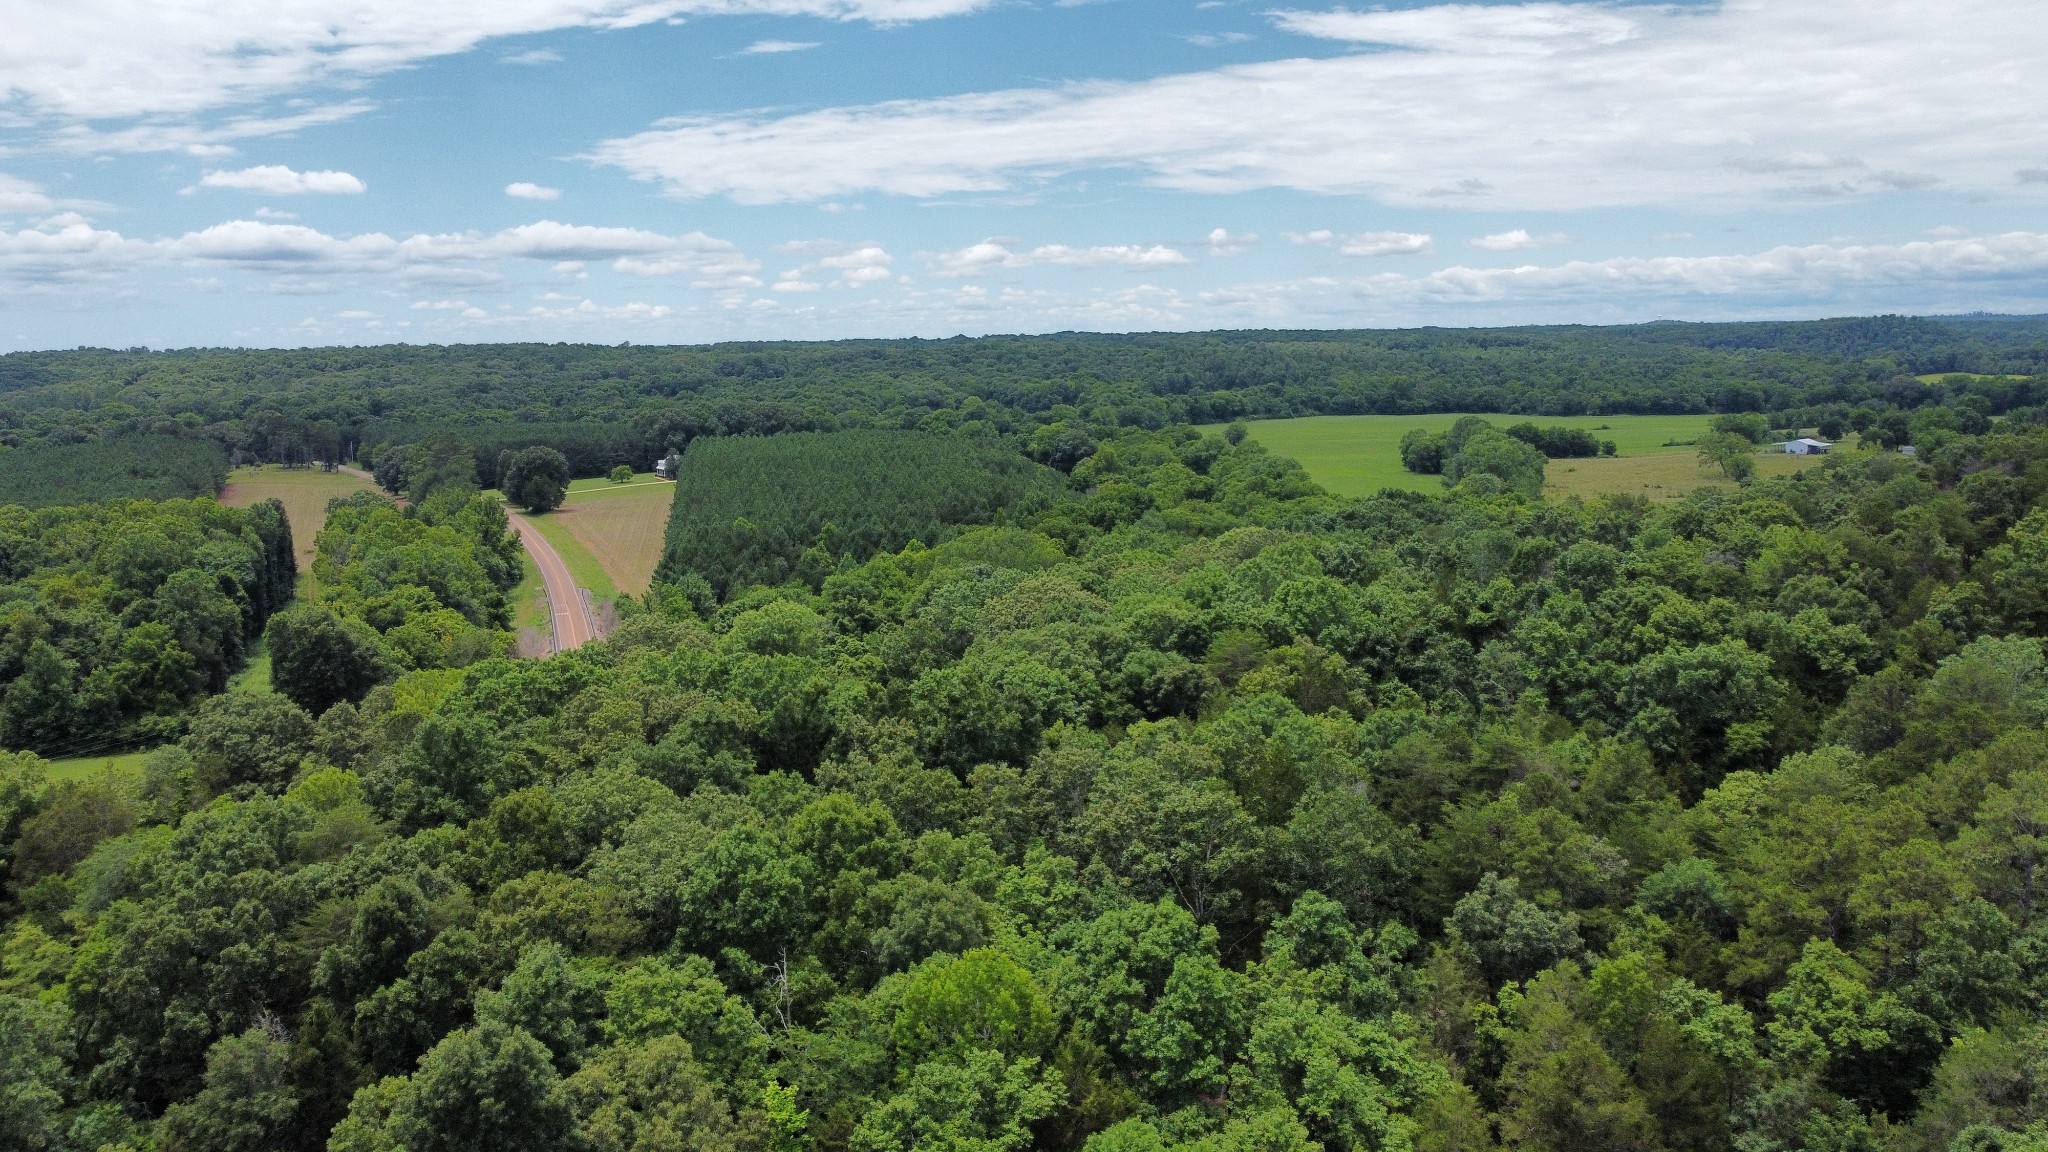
(266, 172)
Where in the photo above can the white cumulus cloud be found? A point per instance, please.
(1519, 240)
(279, 180)
(527, 190)
(1533, 106)
(856, 266)
(861, 266)
(18, 195)
(990, 254)
(976, 258)
(1223, 243)
(1132, 256)
(1386, 244)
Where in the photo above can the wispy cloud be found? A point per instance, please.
(776, 47)
(69, 249)
(526, 190)
(101, 59)
(193, 139)
(532, 56)
(1532, 106)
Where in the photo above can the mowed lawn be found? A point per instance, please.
(609, 535)
(1359, 455)
(304, 492)
(619, 526)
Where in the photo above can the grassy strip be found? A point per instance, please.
(583, 567)
(604, 484)
(254, 677)
(529, 599)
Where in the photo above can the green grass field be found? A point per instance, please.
(610, 535)
(604, 484)
(127, 764)
(1359, 455)
(583, 567)
(622, 527)
(1663, 475)
(304, 493)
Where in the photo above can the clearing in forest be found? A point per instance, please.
(1359, 455)
(304, 492)
(618, 526)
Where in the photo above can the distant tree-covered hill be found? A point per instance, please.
(607, 405)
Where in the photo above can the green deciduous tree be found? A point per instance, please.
(536, 479)
(318, 659)
(249, 1103)
(491, 1088)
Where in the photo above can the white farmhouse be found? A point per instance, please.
(1807, 446)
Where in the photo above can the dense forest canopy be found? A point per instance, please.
(605, 406)
(1193, 810)
(115, 617)
(118, 468)
(1001, 762)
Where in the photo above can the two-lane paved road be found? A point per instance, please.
(571, 614)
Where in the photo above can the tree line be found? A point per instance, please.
(121, 468)
(1196, 809)
(601, 406)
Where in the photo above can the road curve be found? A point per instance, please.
(570, 613)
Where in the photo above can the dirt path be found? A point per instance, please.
(568, 609)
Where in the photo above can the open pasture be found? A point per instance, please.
(1359, 455)
(1664, 475)
(620, 527)
(304, 493)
